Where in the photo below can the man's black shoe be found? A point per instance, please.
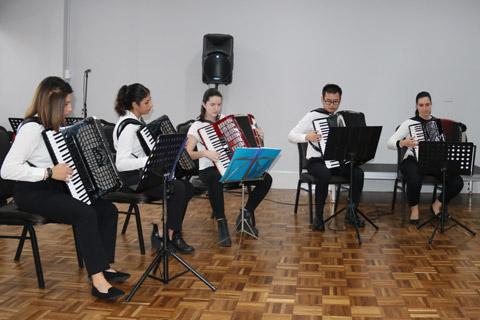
(318, 224)
(179, 245)
(112, 294)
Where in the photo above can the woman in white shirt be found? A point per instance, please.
(409, 166)
(40, 187)
(133, 102)
(210, 112)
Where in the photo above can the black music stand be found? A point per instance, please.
(356, 145)
(15, 122)
(162, 161)
(440, 159)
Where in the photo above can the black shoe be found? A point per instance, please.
(223, 234)
(318, 224)
(414, 221)
(350, 219)
(116, 276)
(155, 239)
(247, 223)
(112, 294)
(179, 245)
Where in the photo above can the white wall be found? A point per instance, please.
(381, 52)
(31, 47)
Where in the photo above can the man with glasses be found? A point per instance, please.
(322, 169)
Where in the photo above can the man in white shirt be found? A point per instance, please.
(318, 167)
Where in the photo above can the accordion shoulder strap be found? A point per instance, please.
(125, 123)
(28, 120)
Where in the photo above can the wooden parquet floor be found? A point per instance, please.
(291, 273)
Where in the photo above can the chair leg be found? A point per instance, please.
(394, 198)
(21, 243)
(36, 257)
(139, 229)
(297, 196)
(127, 219)
(337, 197)
(77, 249)
(310, 202)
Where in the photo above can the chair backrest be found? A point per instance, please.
(184, 126)
(302, 156)
(6, 186)
(108, 128)
(353, 118)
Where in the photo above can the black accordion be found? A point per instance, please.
(83, 148)
(148, 134)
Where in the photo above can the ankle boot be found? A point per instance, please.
(155, 239)
(223, 234)
(318, 223)
(179, 244)
(247, 222)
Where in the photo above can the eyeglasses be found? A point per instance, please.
(332, 102)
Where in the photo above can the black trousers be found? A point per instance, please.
(317, 168)
(177, 202)
(95, 225)
(211, 177)
(413, 177)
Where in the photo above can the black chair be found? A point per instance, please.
(453, 132)
(133, 199)
(10, 215)
(305, 177)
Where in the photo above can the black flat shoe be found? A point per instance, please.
(116, 276)
(350, 219)
(247, 223)
(414, 221)
(112, 294)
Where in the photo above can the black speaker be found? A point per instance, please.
(217, 58)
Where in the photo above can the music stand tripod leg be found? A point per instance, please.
(163, 254)
(243, 221)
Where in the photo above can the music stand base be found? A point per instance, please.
(162, 256)
(441, 225)
(354, 212)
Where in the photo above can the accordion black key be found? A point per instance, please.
(148, 135)
(82, 147)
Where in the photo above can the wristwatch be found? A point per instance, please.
(49, 173)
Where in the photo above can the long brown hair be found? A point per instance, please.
(49, 102)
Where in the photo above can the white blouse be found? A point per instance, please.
(28, 146)
(130, 154)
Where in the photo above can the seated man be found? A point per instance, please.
(318, 167)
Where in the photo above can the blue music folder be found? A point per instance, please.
(249, 164)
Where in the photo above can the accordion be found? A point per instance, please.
(83, 148)
(228, 134)
(430, 131)
(148, 134)
(322, 126)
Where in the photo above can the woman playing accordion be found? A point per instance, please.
(428, 128)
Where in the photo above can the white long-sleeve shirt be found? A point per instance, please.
(304, 126)
(130, 154)
(28, 146)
